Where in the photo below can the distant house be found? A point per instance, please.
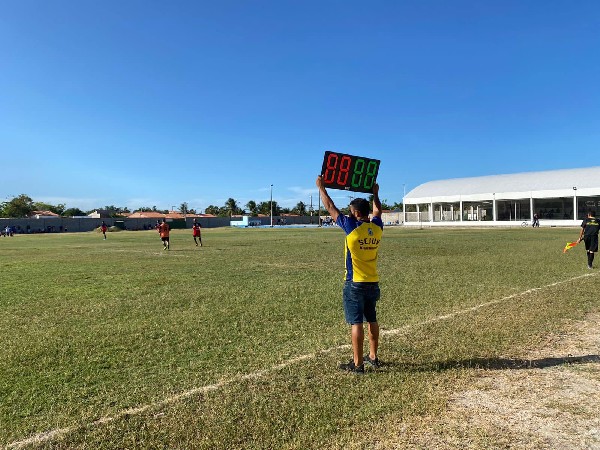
(44, 215)
(175, 215)
(170, 215)
(146, 215)
(99, 214)
(178, 215)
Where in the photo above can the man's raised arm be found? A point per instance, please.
(376, 202)
(327, 202)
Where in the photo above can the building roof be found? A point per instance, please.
(38, 214)
(565, 180)
(169, 215)
(146, 215)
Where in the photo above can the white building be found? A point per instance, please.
(559, 197)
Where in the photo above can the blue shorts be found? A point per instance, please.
(360, 300)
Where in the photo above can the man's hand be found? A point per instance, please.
(375, 189)
(319, 182)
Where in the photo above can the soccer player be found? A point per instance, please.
(361, 289)
(589, 234)
(197, 233)
(103, 227)
(163, 229)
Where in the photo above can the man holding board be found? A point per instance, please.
(363, 236)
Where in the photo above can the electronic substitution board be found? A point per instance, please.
(350, 173)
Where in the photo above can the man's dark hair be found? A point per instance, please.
(361, 205)
(591, 212)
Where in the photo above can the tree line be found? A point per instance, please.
(24, 206)
(252, 208)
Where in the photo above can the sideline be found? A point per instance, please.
(56, 433)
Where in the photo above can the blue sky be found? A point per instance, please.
(152, 103)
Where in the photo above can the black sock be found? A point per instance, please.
(590, 258)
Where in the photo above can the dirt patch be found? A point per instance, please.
(549, 399)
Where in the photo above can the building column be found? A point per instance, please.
(575, 204)
(461, 210)
(531, 207)
(431, 212)
(494, 215)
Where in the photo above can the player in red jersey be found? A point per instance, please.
(163, 229)
(103, 228)
(197, 233)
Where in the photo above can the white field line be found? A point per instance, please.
(49, 435)
(402, 330)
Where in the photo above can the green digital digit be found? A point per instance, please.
(370, 176)
(358, 172)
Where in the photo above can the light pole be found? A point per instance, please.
(271, 206)
(319, 210)
(403, 203)
(575, 210)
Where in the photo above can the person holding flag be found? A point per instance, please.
(589, 235)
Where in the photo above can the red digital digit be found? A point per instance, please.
(329, 174)
(345, 164)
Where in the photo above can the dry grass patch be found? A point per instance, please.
(548, 400)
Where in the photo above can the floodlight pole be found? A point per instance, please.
(575, 211)
(319, 210)
(404, 203)
(271, 206)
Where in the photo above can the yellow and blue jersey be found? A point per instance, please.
(361, 248)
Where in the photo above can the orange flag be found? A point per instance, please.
(570, 245)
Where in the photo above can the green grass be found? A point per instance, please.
(91, 328)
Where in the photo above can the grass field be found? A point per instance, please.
(119, 344)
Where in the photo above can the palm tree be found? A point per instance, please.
(300, 208)
(265, 208)
(212, 209)
(231, 206)
(252, 208)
